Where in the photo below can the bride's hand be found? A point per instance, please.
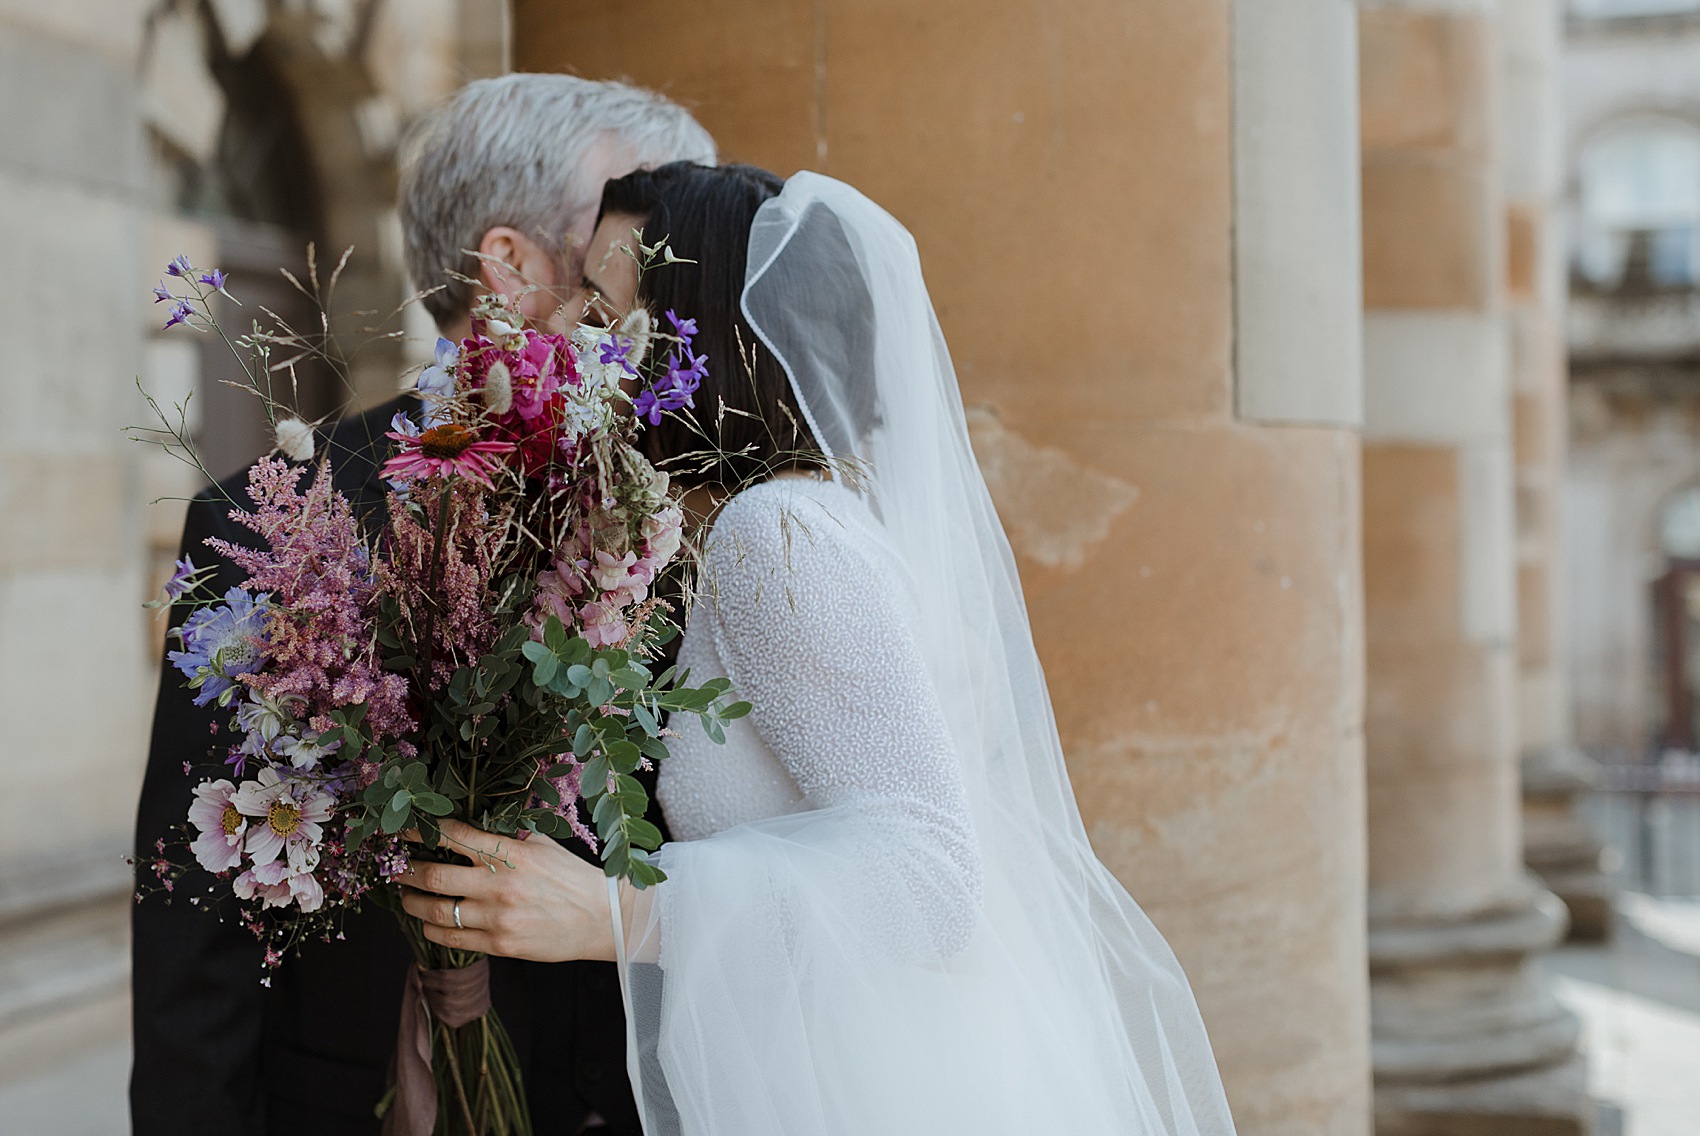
(529, 899)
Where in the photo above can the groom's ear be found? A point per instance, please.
(512, 264)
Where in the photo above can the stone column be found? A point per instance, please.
(1466, 1037)
(1557, 842)
(1139, 227)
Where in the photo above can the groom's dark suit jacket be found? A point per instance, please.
(217, 1053)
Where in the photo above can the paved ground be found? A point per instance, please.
(1639, 1002)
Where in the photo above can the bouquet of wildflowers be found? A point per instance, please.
(481, 651)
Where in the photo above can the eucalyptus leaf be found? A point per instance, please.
(434, 803)
(642, 833)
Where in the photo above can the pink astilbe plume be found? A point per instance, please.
(452, 597)
(320, 634)
(567, 787)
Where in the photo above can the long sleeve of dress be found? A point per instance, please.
(779, 938)
(816, 631)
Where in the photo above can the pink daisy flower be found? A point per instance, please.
(448, 450)
(223, 827)
(278, 884)
(288, 814)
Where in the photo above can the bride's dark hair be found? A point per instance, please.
(745, 406)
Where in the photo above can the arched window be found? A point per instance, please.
(1640, 206)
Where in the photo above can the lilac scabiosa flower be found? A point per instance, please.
(223, 827)
(222, 642)
(179, 266)
(214, 278)
(161, 293)
(180, 313)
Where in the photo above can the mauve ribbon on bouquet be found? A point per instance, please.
(455, 998)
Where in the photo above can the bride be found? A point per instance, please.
(881, 914)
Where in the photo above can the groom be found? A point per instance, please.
(511, 168)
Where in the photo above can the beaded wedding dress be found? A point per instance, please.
(882, 914)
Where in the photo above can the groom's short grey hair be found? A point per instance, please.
(511, 151)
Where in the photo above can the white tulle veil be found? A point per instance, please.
(781, 1004)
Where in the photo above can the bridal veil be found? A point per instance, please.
(807, 982)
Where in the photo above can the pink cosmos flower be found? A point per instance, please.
(278, 884)
(290, 815)
(448, 450)
(223, 827)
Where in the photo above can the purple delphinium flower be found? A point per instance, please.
(677, 388)
(647, 406)
(161, 293)
(179, 314)
(214, 278)
(181, 578)
(179, 266)
(222, 642)
(684, 329)
(615, 350)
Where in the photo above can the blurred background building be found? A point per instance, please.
(1355, 480)
(237, 133)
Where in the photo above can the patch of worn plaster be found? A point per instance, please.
(1054, 508)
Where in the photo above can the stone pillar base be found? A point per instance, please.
(1546, 1102)
(1468, 1040)
(1561, 847)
